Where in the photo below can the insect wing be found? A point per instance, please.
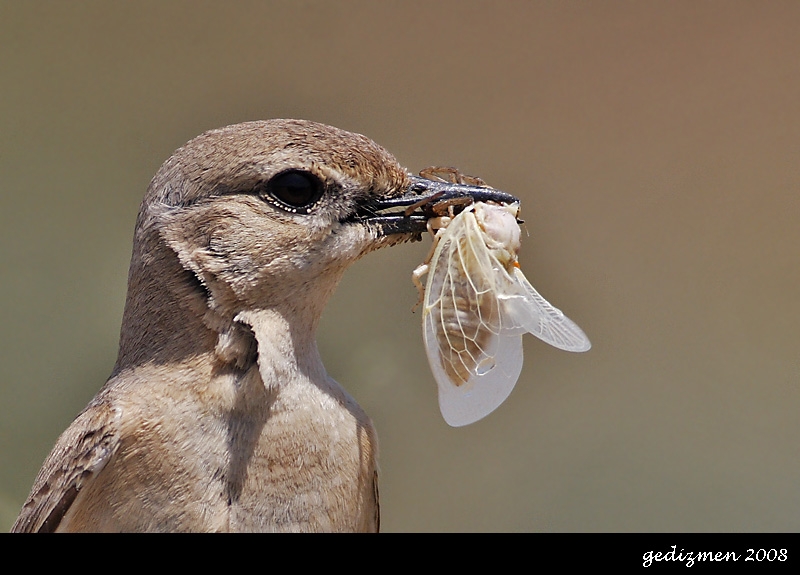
(481, 394)
(475, 358)
(528, 309)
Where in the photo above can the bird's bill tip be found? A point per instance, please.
(423, 199)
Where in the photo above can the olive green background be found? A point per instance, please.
(655, 146)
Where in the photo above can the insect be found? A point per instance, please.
(477, 304)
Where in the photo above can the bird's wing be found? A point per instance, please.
(78, 456)
(377, 502)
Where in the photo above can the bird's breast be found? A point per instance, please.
(307, 461)
(234, 455)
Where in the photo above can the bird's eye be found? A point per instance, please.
(295, 191)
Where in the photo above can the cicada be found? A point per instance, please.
(477, 306)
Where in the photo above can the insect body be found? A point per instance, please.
(477, 305)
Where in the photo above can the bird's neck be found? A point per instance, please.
(287, 349)
(164, 310)
(168, 319)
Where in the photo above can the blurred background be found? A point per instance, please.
(656, 150)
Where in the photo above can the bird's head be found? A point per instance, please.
(269, 214)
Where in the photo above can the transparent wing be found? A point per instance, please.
(528, 309)
(482, 393)
(475, 313)
(475, 358)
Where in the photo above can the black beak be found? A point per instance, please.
(423, 199)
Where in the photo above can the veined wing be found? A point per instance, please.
(536, 315)
(474, 353)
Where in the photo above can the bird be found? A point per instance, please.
(218, 415)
